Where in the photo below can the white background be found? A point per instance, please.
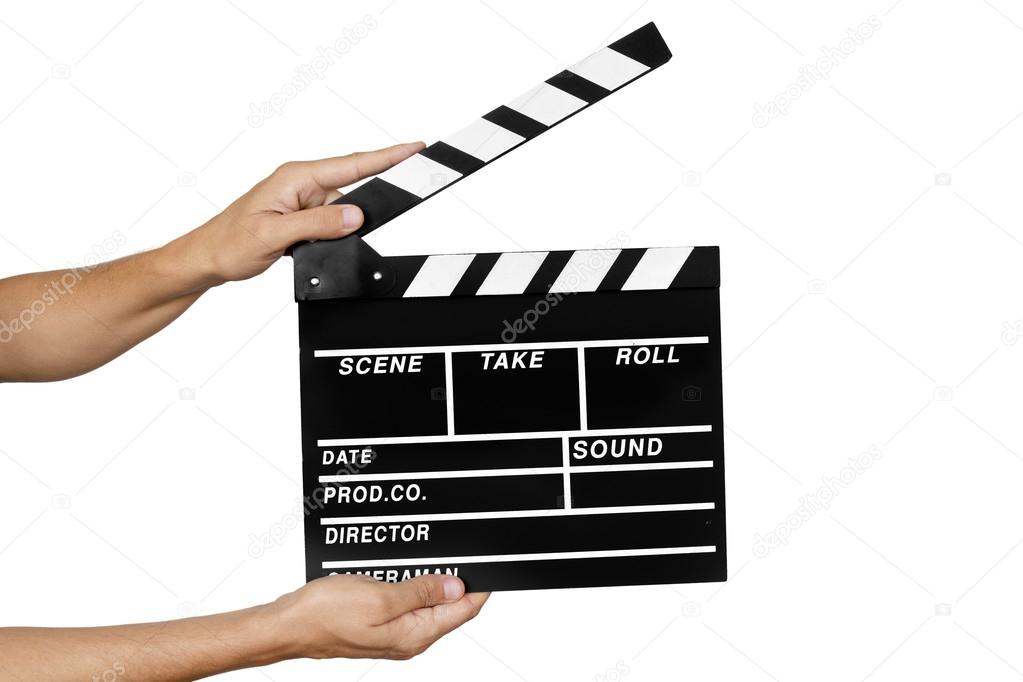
(871, 249)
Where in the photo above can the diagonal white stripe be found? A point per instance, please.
(609, 69)
(585, 270)
(657, 268)
(512, 273)
(546, 104)
(484, 140)
(439, 275)
(420, 176)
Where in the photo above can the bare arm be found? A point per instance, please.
(59, 324)
(338, 616)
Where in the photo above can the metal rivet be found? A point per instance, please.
(378, 275)
(314, 281)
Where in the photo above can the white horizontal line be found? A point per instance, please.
(467, 473)
(538, 556)
(519, 471)
(550, 345)
(521, 435)
(519, 513)
(641, 466)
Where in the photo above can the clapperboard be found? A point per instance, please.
(521, 420)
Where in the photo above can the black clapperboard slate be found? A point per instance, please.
(521, 420)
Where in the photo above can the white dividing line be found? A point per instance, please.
(449, 393)
(538, 556)
(565, 469)
(520, 435)
(643, 466)
(582, 389)
(566, 473)
(550, 345)
(421, 475)
(518, 513)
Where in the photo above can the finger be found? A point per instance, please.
(478, 598)
(422, 592)
(332, 196)
(464, 609)
(430, 624)
(322, 222)
(447, 617)
(340, 171)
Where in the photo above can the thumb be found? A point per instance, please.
(323, 222)
(425, 591)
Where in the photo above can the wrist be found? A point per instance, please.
(283, 620)
(189, 263)
(268, 635)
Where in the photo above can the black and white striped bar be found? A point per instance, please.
(550, 272)
(556, 272)
(508, 126)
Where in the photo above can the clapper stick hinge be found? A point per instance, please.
(340, 268)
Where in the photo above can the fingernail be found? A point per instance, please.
(453, 588)
(351, 216)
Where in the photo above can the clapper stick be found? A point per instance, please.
(319, 273)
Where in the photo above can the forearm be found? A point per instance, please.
(59, 324)
(56, 325)
(185, 649)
